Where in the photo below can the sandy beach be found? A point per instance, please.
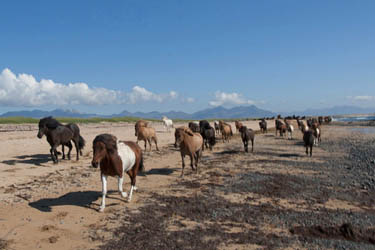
(273, 198)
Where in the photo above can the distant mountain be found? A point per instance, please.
(236, 112)
(210, 113)
(336, 110)
(217, 112)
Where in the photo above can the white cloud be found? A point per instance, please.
(362, 98)
(222, 98)
(190, 99)
(173, 94)
(24, 90)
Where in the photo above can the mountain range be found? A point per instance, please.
(218, 112)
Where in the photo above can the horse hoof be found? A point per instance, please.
(124, 194)
(135, 188)
(129, 199)
(101, 209)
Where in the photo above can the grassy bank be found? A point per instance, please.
(23, 120)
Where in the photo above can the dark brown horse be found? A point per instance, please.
(116, 157)
(59, 134)
(309, 139)
(246, 136)
(263, 125)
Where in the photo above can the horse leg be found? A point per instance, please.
(156, 143)
(311, 146)
(62, 149)
(104, 192)
(192, 156)
(120, 182)
(69, 144)
(145, 143)
(133, 187)
(252, 145)
(307, 148)
(183, 165)
(54, 154)
(77, 147)
(198, 155)
(246, 144)
(149, 142)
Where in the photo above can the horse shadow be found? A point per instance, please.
(37, 159)
(160, 171)
(289, 155)
(228, 152)
(268, 135)
(81, 199)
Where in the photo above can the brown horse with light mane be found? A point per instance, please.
(191, 144)
(238, 125)
(226, 130)
(116, 157)
(138, 124)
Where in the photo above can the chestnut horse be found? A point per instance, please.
(114, 158)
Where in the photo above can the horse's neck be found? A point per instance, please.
(115, 159)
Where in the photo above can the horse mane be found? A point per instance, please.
(110, 141)
(49, 122)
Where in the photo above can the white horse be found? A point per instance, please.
(168, 123)
(290, 131)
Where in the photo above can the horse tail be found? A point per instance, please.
(81, 142)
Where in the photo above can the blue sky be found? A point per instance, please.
(109, 56)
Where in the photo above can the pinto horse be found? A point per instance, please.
(59, 134)
(116, 157)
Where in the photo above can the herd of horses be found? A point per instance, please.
(115, 157)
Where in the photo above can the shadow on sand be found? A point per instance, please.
(37, 159)
(160, 171)
(81, 199)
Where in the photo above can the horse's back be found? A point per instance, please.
(127, 152)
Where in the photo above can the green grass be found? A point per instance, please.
(21, 120)
(17, 120)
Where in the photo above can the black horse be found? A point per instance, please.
(59, 134)
(208, 134)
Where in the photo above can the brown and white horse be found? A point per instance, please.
(115, 158)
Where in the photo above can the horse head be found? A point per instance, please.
(47, 123)
(103, 145)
